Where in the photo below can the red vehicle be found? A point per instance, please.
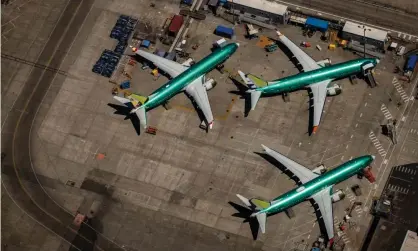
(369, 175)
(175, 25)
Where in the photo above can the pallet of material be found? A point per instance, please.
(194, 14)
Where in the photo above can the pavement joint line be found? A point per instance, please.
(43, 48)
(26, 105)
(390, 145)
(34, 219)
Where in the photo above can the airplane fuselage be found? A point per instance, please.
(177, 84)
(308, 189)
(301, 80)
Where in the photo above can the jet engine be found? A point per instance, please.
(334, 90)
(210, 84)
(325, 62)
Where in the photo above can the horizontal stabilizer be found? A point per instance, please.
(244, 200)
(142, 116)
(261, 218)
(255, 96)
(124, 101)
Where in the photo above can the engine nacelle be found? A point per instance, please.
(367, 68)
(321, 169)
(334, 90)
(325, 62)
(337, 196)
(189, 62)
(210, 84)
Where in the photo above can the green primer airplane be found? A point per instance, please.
(190, 79)
(316, 75)
(314, 186)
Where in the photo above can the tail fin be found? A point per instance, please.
(137, 99)
(252, 82)
(142, 115)
(257, 205)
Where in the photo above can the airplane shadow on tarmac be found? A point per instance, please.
(286, 171)
(125, 111)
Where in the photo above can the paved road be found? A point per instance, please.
(16, 132)
(362, 11)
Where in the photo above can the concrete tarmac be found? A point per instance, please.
(16, 131)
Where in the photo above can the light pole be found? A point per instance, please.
(364, 37)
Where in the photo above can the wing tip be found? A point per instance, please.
(265, 148)
(314, 129)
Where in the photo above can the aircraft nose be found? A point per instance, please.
(377, 60)
(373, 157)
(237, 44)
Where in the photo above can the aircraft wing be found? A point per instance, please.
(323, 199)
(170, 67)
(200, 96)
(304, 59)
(319, 91)
(303, 173)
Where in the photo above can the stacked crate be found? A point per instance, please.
(121, 32)
(108, 61)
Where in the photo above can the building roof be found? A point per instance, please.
(410, 243)
(267, 6)
(373, 33)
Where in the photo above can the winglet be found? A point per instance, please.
(265, 148)
(314, 129)
(279, 33)
(210, 125)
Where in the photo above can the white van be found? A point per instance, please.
(401, 50)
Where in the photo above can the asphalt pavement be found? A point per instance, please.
(16, 163)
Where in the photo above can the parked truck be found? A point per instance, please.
(175, 25)
(411, 62)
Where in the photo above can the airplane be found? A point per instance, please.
(316, 75)
(185, 77)
(314, 185)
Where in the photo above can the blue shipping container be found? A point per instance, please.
(317, 24)
(189, 2)
(125, 85)
(145, 43)
(224, 31)
(412, 61)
